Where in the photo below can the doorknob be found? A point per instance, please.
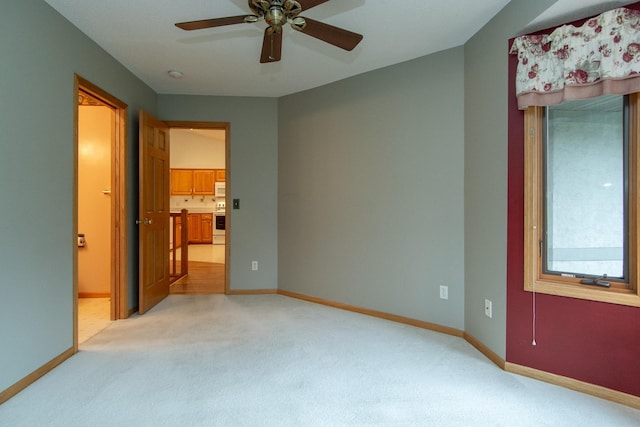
(145, 221)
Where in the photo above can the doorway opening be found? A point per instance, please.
(100, 263)
(199, 165)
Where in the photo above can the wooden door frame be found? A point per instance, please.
(225, 126)
(119, 240)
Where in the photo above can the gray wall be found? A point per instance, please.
(36, 177)
(371, 191)
(252, 178)
(370, 179)
(485, 179)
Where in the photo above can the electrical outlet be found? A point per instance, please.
(254, 265)
(488, 308)
(444, 292)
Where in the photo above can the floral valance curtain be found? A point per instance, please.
(600, 57)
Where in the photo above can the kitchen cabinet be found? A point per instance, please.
(195, 228)
(181, 182)
(200, 228)
(203, 180)
(221, 175)
(192, 182)
(207, 228)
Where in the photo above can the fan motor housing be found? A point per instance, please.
(275, 17)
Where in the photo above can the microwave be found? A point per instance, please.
(220, 189)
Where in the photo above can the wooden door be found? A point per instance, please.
(154, 212)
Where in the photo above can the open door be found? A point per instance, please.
(154, 212)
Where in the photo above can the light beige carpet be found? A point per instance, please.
(270, 360)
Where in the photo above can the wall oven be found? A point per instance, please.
(221, 222)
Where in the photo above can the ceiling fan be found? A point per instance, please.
(276, 13)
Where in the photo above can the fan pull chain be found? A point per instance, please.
(533, 341)
(533, 295)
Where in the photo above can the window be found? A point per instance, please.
(581, 199)
(584, 188)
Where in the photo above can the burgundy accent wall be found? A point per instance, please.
(595, 342)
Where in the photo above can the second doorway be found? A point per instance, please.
(199, 177)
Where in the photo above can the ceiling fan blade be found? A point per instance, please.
(339, 37)
(308, 4)
(210, 23)
(271, 46)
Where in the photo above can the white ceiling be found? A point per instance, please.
(141, 35)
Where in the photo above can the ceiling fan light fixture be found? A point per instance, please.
(259, 7)
(298, 23)
(251, 18)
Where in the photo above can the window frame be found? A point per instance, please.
(535, 280)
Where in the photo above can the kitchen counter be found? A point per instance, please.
(194, 210)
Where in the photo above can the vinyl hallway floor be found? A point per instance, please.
(94, 314)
